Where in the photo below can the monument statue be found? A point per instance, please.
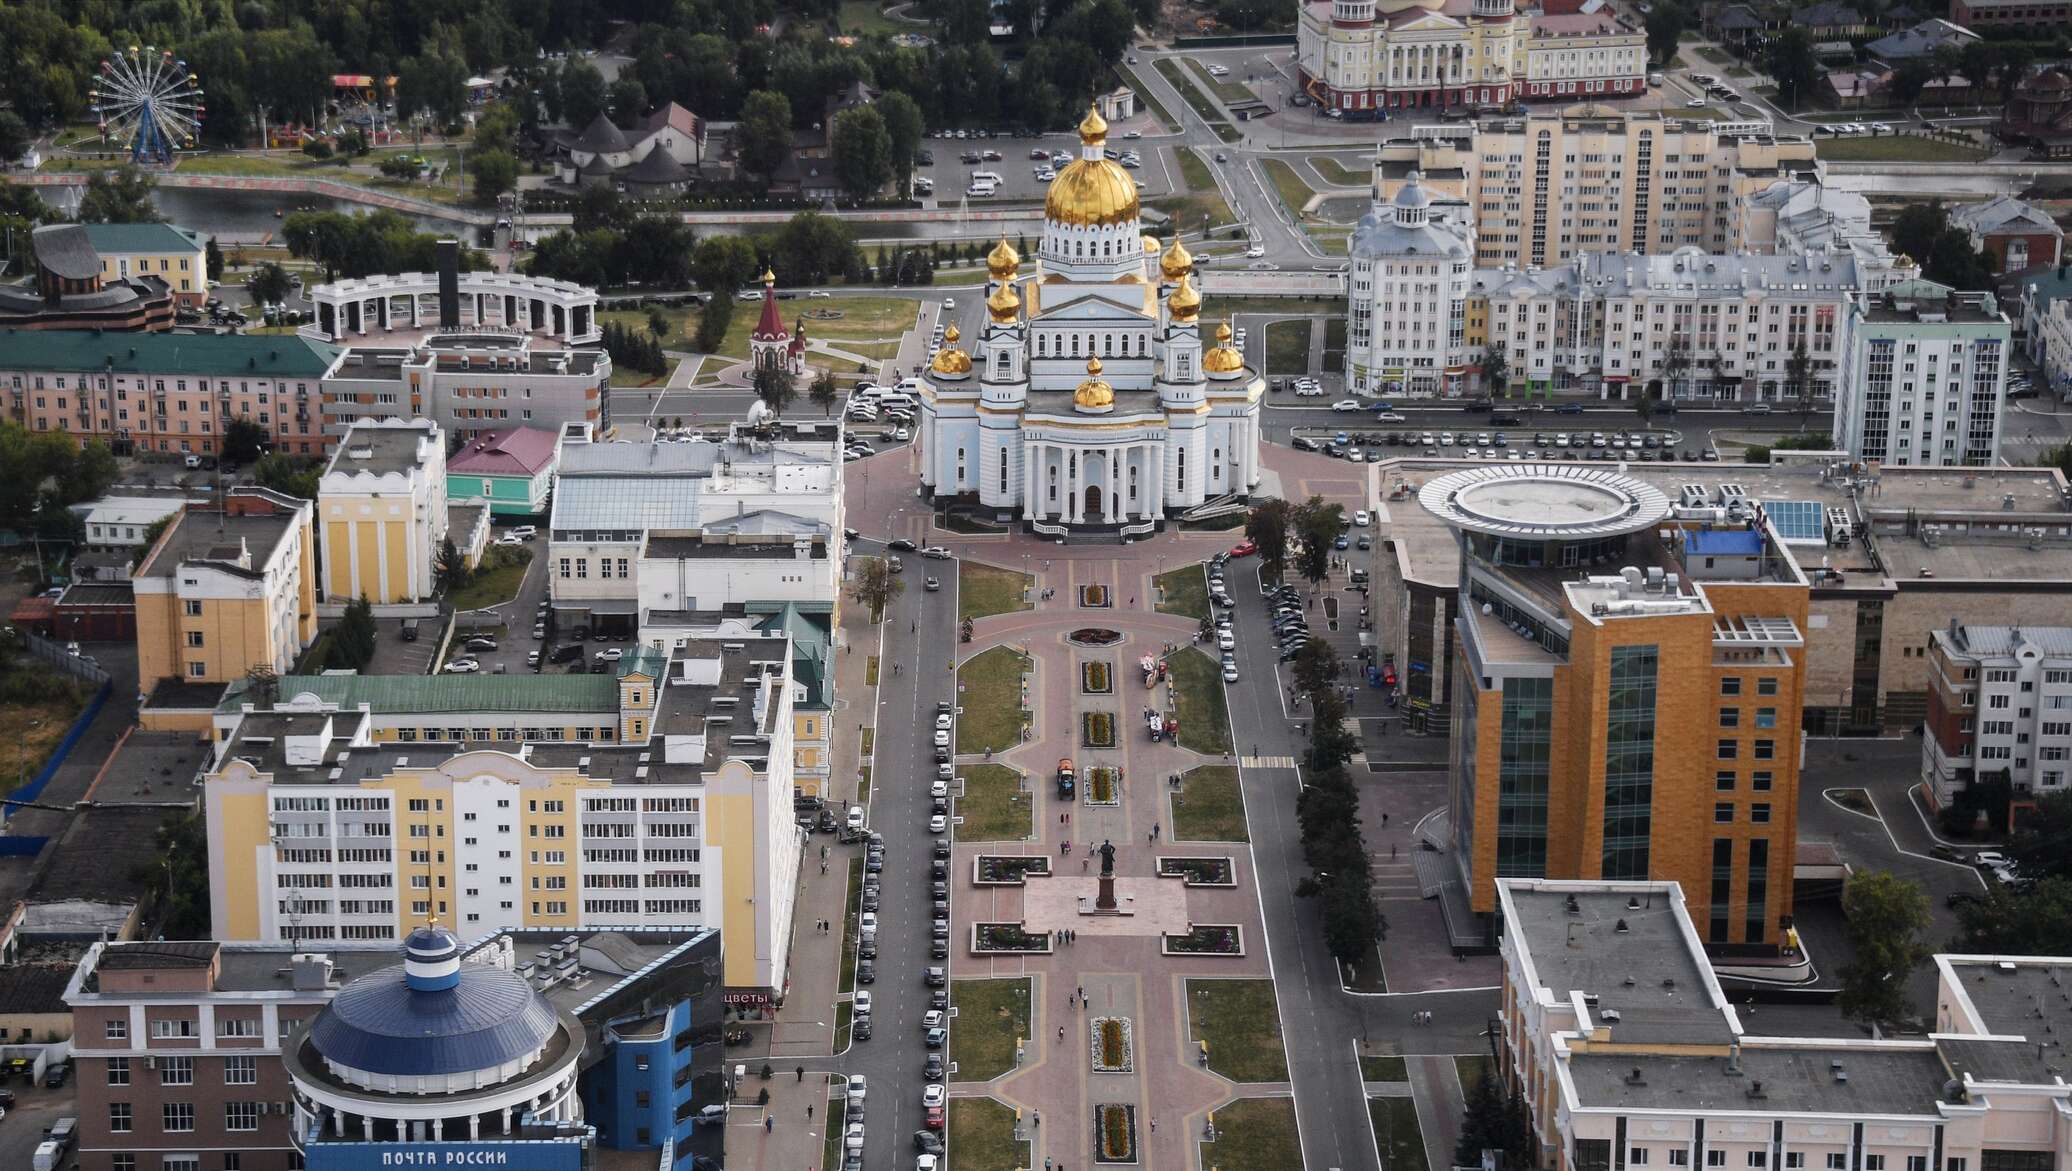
(1107, 859)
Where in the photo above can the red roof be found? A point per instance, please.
(771, 327)
(516, 451)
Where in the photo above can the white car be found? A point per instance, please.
(938, 788)
(525, 532)
(939, 552)
(510, 539)
(867, 921)
(855, 821)
(1046, 175)
(1225, 641)
(943, 720)
(938, 824)
(862, 1001)
(1256, 251)
(856, 1087)
(1230, 672)
(610, 655)
(942, 738)
(853, 1140)
(1361, 518)
(933, 1093)
(818, 293)
(1346, 404)
(901, 435)
(463, 666)
(1390, 417)
(949, 302)
(1133, 134)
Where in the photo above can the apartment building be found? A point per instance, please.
(1802, 216)
(756, 516)
(471, 384)
(1616, 1031)
(1409, 292)
(1627, 686)
(160, 392)
(810, 627)
(382, 507)
(175, 255)
(225, 591)
(360, 806)
(177, 1046)
(1553, 184)
(1923, 377)
(1689, 326)
(510, 469)
(1999, 702)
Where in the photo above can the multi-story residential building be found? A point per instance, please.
(2014, 234)
(1999, 704)
(471, 384)
(1604, 642)
(177, 256)
(1409, 295)
(1548, 186)
(382, 507)
(361, 806)
(1923, 377)
(156, 392)
(224, 592)
(510, 469)
(693, 526)
(178, 1047)
(810, 626)
(1360, 57)
(1687, 326)
(2041, 17)
(1802, 216)
(1617, 1034)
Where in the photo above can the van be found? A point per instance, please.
(979, 190)
(48, 1156)
(895, 399)
(409, 630)
(907, 385)
(63, 1131)
(1757, 408)
(1654, 79)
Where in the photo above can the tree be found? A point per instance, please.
(1886, 915)
(1665, 28)
(626, 98)
(1317, 524)
(1798, 378)
(1316, 666)
(1495, 1121)
(243, 441)
(269, 283)
(1496, 372)
(765, 133)
(862, 151)
(1266, 526)
(317, 149)
(434, 83)
(775, 386)
(14, 136)
(176, 882)
(723, 264)
(1644, 406)
(1676, 361)
(713, 322)
(121, 196)
(212, 261)
(657, 323)
(449, 568)
(825, 394)
(1916, 227)
(92, 469)
(290, 474)
(1791, 61)
(2037, 845)
(903, 129)
(1350, 918)
(352, 640)
(583, 94)
(875, 585)
(2038, 921)
(494, 172)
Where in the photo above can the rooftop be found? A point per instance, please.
(1544, 501)
(143, 238)
(384, 447)
(231, 543)
(388, 694)
(2003, 641)
(206, 354)
(512, 451)
(2009, 996)
(1800, 1079)
(1628, 946)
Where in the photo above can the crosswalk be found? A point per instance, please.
(1267, 761)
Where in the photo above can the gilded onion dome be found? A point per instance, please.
(1003, 261)
(1152, 246)
(1185, 301)
(769, 277)
(950, 359)
(1177, 262)
(1092, 192)
(1223, 359)
(1003, 304)
(1094, 394)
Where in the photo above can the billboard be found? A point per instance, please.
(560, 1154)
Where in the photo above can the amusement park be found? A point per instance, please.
(148, 101)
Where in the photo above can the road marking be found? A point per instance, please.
(1267, 761)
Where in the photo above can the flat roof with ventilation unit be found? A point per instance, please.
(1544, 502)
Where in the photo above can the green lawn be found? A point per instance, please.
(1256, 1134)
(983, 590)
(991, 1016)
(1332, 171)
(1332, 243)
(1289, 185)
(1472, 1068)
(1239, 1021)
(494, 585)
(982, 1137)
(1144, 95)
(853, 903)
(1229, 92)
(994, 808)
(836, 1108)
(1903, 148)
(1210, 806)
(1396, 1133)
(1715, 55)
(843, 1012)
(1194, 213)
(1334, 343)
(1383, 1069)
(1194, 172)
(1287, 347)
(863, 319)
(1187, 90)
(1184, 591)
(1198, 692)
(990, 694)
(863, 18)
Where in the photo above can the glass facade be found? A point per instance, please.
(1528, 739)
(1629, 762)
(1464, 773)
(1722, 888)
(1758, 888)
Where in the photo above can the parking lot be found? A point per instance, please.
(952, 175)
(514, 636)
(1360, 443)
(34, 1111)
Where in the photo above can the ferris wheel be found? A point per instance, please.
(148, 100)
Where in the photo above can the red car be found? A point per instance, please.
(935, 1118)
(1243, 549)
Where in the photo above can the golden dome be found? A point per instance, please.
(1003, 260)
(1177, 262)
(1093, 129)
(1223, 359)
(1003, 303)
(1152, 246)
(1092, 193)
(1093, 394)
(769, 278)
(950, 359)
(1185, 301)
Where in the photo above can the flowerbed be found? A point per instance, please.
(1112, 1046)
(1097, 729)
(1094, 636)
(1103, 787)
(1115, 1133)
(1216, 871)
(1096, 597)
(1219, 939)
(988, 938)
(1096, 677)
(1008, 869)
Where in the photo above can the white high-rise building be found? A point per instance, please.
(1924, 377)
(1410, 279)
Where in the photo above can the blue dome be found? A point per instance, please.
(389, 1023)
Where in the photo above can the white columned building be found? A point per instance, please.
(1089, 401)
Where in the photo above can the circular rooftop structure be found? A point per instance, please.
(1544, 502)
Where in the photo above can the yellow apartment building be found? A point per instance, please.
(225, 591)
(175, 255)
(381, 505)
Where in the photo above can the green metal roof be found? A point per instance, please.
(645, 660)
(390, 694)
(88, 351)
(811, 643)
(142, 238)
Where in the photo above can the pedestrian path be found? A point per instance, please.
(1267, 761)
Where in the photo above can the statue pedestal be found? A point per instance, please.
(1105, 902)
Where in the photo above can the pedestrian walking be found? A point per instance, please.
(801, 1071)
(1154, 1126)
(769, 1124)
(1039, 1118)
(1070, 1000)
(1083, 864)
(1384, 820)
(809, 1111)
(1082, 991)
(1155, 829)
(1392, 851)
(1150, 838)
(1061, 1032)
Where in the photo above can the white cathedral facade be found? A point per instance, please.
(1090, 400)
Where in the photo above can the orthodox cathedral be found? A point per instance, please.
(1090, 401)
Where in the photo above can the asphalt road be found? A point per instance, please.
(902, 765)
